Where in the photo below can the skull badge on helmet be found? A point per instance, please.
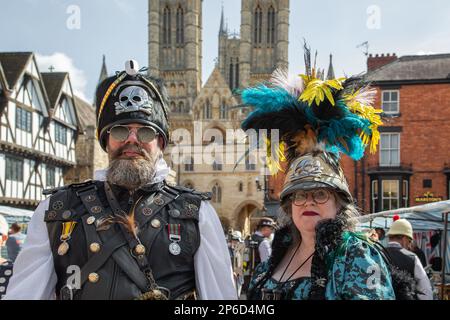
(134, 99)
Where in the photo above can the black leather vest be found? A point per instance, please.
(402, 259)
(118, 274)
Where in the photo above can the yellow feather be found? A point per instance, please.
(274, 163)
(316, 89)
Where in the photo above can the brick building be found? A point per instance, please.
(412, 164)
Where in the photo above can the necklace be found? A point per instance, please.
(301, 265)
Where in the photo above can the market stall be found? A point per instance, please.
(428, 221)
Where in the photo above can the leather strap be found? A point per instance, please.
(121, 256)
(93, 264)
(132, 240)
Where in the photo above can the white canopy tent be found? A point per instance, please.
(423, 218)
(15, 212)
(427, 217)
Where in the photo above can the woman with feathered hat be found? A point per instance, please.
(316, 254)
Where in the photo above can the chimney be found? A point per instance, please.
(377, 61)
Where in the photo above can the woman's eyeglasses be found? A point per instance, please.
(143, 134)
(319, 196)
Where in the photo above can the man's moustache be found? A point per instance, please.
(135, 149)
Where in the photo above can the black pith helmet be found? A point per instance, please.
(131, 97)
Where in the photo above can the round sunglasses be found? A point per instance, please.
(319, 196)
(143, 134)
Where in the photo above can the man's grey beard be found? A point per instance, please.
(132, 173)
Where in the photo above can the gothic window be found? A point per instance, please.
(180, 26)
(241, 187)
(180, 107)
(236, 75)
(166, 27)
(173, 107)
(207, 110)
(257, 25)
(223, 111)
(231, 84)
(271, 26)
(216, 193)
(173, 90)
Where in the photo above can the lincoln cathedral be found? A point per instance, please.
(175, 55)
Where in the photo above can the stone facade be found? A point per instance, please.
(175, 44)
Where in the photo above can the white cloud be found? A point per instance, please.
(63, 63)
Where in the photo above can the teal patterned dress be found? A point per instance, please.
(356, 271)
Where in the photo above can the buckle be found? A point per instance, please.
(160, 293)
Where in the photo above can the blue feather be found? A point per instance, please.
(346, 128)
(265, 100)
(339, 126)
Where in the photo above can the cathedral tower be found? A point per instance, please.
(175, 49)
(264, 39)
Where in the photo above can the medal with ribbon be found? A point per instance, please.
(175, 237)
(67, 229)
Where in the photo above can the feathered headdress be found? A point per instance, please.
(334, 115)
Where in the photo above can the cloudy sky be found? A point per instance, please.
(73, 35)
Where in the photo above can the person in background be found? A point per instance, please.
(6, 266)
(15, 241)
(237, 249)
(400, 237)
(381, 233)
(263, 236)
(372, 234)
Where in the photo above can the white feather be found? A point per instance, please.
(292, 84)
(366, 96)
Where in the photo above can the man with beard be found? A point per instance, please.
(128, 234)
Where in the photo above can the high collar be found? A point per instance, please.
(328, 236)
